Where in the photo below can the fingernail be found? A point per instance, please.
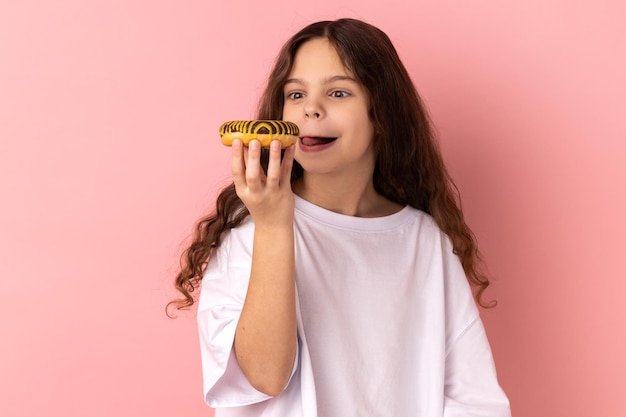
(275, 145)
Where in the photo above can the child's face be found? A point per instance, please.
(331, 109)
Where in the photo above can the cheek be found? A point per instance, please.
(364, 129)
(289, 114)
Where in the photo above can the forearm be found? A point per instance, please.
(265, 340)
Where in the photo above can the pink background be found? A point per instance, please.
(109, 153)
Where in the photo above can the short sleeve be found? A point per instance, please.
(471, 387)
(223, 291)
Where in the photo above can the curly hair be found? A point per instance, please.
(409, 168)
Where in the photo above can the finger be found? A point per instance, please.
(245, 154)
(274, 167)
(287, 165)
(254, 172)
(238, 166)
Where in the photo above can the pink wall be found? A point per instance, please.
(108, 154)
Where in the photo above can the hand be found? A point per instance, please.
(269, 198)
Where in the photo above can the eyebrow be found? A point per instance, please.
(324, 81)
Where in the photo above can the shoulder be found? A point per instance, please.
(235, 246)
(243, 230)
(425, 223)
(421, 217)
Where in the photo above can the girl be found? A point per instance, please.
(336, 276)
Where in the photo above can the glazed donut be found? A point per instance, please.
(265, 131)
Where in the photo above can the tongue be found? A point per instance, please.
(312, 141)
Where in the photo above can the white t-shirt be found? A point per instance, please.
(387, 324)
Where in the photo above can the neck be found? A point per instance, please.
(350, 196)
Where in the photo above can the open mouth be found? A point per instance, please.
(315, 140)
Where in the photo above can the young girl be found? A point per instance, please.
(337, 274)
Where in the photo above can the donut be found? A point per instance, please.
(265, 131)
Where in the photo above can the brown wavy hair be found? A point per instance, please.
(409, 168)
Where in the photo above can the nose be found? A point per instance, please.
(312, 110)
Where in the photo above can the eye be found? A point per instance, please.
(294, 95)
(339, 94)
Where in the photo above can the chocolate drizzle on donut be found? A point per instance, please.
(260, 127)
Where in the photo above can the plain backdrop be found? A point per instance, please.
(109, 153)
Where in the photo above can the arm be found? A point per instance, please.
(266, 338)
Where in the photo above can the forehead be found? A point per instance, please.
(317, 56)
